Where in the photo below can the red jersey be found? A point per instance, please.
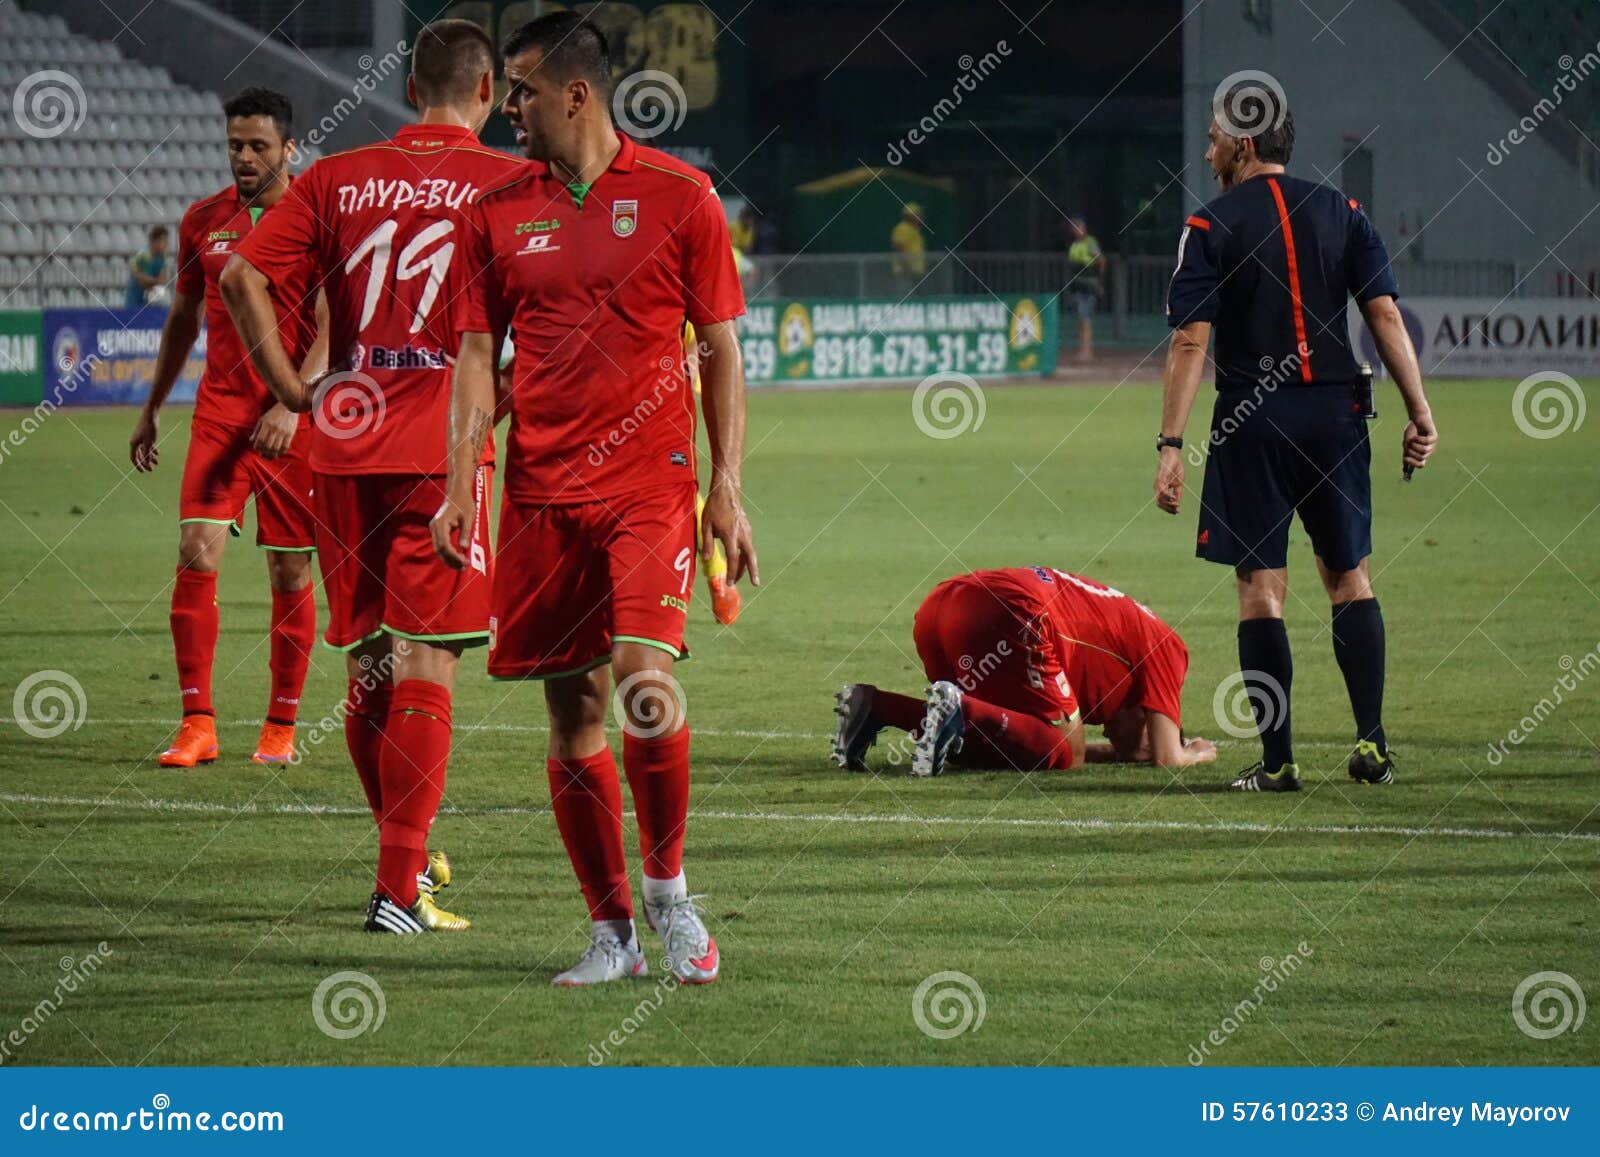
(596, 285)
(231, 395)
(377, 228)
(1115, 651)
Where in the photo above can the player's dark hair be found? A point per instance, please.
(156, 231)
(262, 102)
(1262, 115)
(447, 58)
(571, 47)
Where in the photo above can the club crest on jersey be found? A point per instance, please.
(624, 217)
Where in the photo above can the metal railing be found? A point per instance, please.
(1131, 300)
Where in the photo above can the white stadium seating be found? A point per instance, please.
(75, 207)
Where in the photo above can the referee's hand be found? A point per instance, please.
(1169, 480)
(1420, 441)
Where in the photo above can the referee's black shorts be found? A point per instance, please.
(1297, 450)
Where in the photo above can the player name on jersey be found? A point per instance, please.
(376, 193)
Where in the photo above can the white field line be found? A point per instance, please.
(902, 818)
(736, 733)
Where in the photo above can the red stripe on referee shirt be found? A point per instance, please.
(1199, 223)
(1294, 283)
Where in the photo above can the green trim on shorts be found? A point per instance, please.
(675, 652)
(468, 638)
(346, 648)
(288, 549)
(231, 523)
(537, 677)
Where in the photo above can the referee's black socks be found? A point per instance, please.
(1268, 669)
(1358, 645)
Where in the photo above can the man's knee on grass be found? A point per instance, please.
(200, 545)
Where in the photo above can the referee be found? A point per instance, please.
(1271, 263)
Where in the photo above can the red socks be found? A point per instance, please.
(294, 631)
(366, 713)
(587, 800)
(1011, 741)
(194, 636)
(895, 710)
(658, 774)
(411, 772)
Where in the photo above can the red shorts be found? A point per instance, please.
(379, 567)
(222, 470)
(574, 579)
(1000, 651)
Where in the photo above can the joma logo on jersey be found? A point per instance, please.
(675, 601)
(407, 358)
(624, 217)
(538, 243)
(549, 226)
(223, 235)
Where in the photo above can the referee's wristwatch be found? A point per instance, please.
(1163, 442)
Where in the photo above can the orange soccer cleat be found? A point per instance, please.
(196, 743)
(725, 601)
(276, 744)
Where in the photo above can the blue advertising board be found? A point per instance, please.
(106, 357)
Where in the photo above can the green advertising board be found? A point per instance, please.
(21, 372)
(818, 342)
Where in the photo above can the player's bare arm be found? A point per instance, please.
(178, 335)
(245, 291)
(1389, 334)
(722, 397)
(1180, 381)
(472, 413)
(275, 430)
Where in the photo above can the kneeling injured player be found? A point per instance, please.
(1019, 661)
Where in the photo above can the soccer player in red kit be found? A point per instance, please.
(379, 227)
(1020, 660)
(595, 257)
(241, 443)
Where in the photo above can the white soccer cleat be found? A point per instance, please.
(606, 959)
(939, 737)
(691, 952)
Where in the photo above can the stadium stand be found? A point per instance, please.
(76, 206)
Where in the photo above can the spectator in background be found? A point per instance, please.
(767, 234)
(742, 230)
(147, 269)
(1086, 267)
(910, 257)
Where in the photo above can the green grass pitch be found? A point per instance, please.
(1115, 916)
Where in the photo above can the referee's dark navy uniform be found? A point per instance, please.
(1272, 264)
